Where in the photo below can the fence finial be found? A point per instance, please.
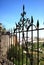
(23, 7)
(37, 23)
(31, 19)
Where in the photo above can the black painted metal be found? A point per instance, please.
(27, 47)
(20, 29)
(15, 33)
(38, 42)
(31, 42)
(19, 48)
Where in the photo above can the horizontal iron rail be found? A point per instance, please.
(31, 30)
(25, 31)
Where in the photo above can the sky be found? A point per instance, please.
(10, 11)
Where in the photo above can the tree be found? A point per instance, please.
(2, 28)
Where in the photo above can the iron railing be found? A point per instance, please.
(19, 57)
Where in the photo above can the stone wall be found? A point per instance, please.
(4, 43)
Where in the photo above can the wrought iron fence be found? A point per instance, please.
(26, 55)
(23, 52)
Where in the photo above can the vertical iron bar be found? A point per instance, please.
(37, 42)
(31, 41)
(22, 33)
(13, 49)
(16, 46)
(19, 50)
(26, 47)
(23, 19)
(11, 37)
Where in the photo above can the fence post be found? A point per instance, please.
(37, 42)
(26, 46)
(31, 61)
(22, 14)
(13, 46)
(16, 45)
(19, 49)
